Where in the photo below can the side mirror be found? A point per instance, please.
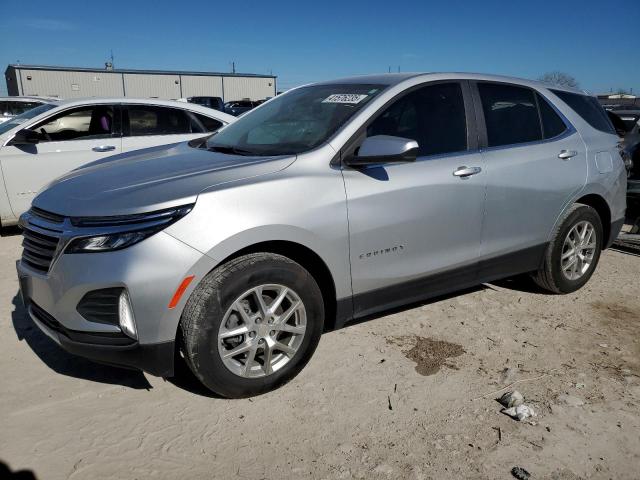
(384, 149)
(25, 137)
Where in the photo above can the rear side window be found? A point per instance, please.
(206, 124)
(552, 124)
(510, 113)
(588, 108)
(434, 116)
(152, 120)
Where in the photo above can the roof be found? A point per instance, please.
(396, 78)
(194, 107)
(133, 71)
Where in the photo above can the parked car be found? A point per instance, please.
(13, 106)
(54, 138)
(628, 129)
(211, 102)
(631, 151)
(238, 107)
(329, 203)
(630, 116)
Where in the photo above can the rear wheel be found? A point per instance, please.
(573, 253)
(252, 324)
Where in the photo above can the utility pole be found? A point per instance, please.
(233, 67)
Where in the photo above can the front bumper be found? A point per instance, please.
(112, 349)
(150, 271)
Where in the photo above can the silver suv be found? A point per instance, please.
(326, 204)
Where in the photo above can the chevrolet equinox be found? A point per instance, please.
(329, 203)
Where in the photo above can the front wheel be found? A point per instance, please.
(573, 252)
(252, 324)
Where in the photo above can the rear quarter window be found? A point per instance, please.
(588, 108)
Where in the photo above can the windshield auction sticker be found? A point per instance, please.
(350, 98)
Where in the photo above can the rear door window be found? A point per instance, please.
(510, 113)
(588, 108)
(433, 115)
(145, 120)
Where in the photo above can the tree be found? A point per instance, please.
(560, 79)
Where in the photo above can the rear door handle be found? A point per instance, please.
(567, 154)
(466, 171)
(103, 148)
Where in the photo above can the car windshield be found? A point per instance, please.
(23, 117)
(295, 122)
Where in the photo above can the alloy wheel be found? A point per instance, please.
(262, 330)
(578, 250)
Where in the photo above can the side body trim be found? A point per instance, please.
(423, 288)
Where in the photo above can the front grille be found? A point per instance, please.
(38, 248)
(101, 306)
(48, 216)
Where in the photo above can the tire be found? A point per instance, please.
(551, 276)
(240, 283)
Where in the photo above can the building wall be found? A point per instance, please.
(199, 85)
(75, 84)
(69, 84)
(255, 88)
(140, 85)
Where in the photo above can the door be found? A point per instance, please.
(151, 125)
(67, 140)
(415, 227)
(534, 163)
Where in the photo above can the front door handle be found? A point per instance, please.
(103, 148)
(466, 171)
(567, 154)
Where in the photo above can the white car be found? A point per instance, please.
(13, 106)
(54, 138)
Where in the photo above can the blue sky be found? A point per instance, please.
(304, 41)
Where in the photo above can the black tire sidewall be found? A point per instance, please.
(206, 361)
(580, 214)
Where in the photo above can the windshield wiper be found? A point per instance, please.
(230, 149)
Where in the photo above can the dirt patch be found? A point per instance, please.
(428, 354)
(615, 311)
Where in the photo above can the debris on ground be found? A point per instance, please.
(520, 473)
(511, 399)
(520, 413)
(515, 407)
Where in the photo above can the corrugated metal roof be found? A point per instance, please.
(129, 70)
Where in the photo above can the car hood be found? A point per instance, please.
(149, 179)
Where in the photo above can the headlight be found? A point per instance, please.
(116, 233)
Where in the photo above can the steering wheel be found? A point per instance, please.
(45, 134)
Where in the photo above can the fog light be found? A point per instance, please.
(125, 314)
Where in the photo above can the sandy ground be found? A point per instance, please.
(405, 395)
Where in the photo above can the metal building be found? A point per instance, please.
(70, 82)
